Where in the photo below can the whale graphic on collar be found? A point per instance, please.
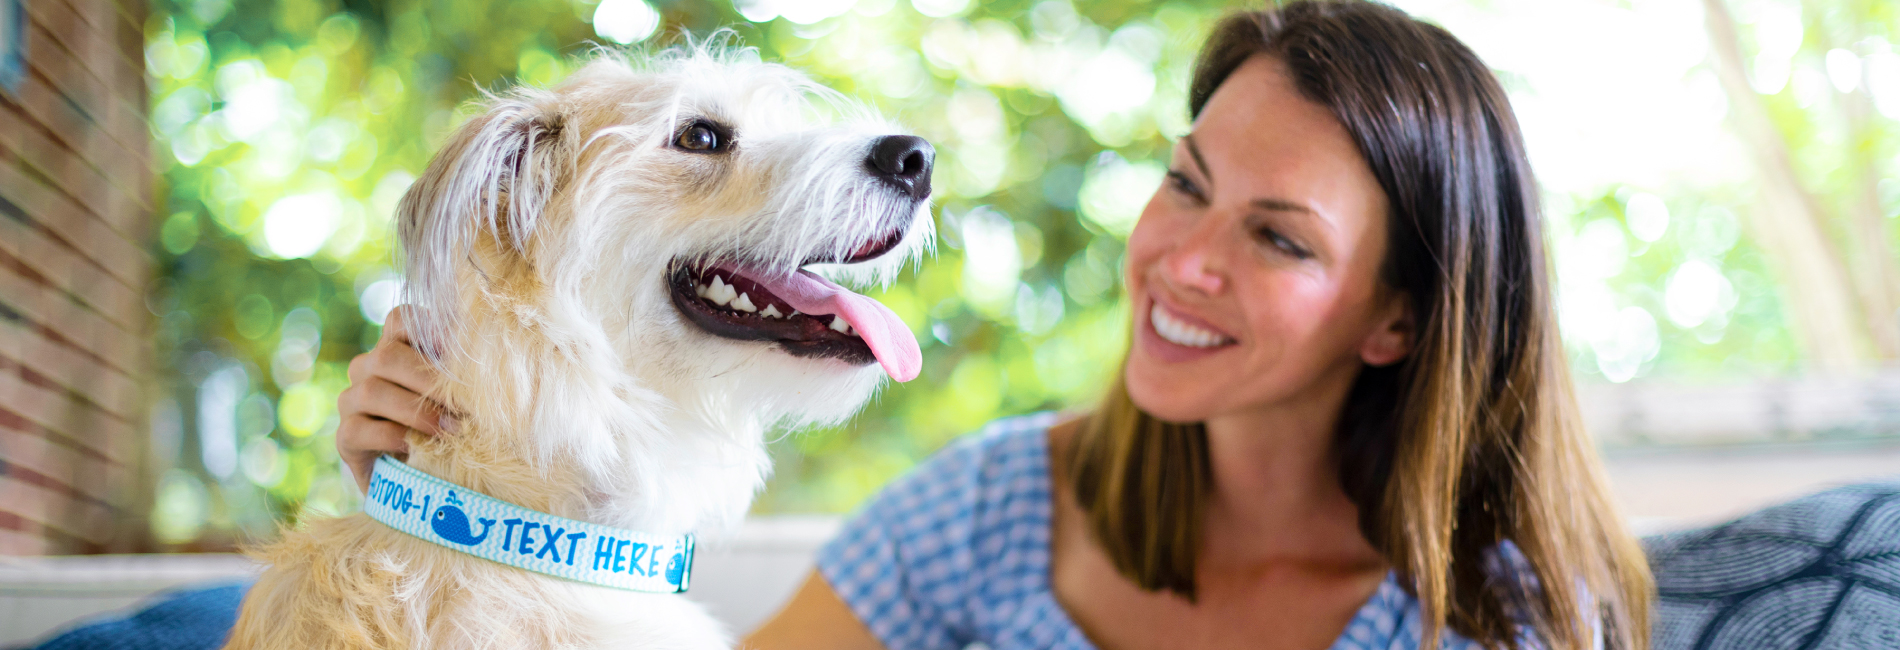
(676, 569)
(452, 524)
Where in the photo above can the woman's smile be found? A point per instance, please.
(1174, 336)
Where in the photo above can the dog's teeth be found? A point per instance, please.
(719, 292)
(770, 311)
(744, 303)
(700, 289)
(837, 323)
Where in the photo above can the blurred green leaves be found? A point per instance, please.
(292, 129)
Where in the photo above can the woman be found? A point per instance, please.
(1345, 418)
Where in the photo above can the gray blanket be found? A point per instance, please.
(1822, 572)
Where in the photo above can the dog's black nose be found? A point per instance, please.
(904, 162)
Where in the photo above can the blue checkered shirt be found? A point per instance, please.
(957, 554)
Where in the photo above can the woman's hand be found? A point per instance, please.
(385, 400)
(815, 618)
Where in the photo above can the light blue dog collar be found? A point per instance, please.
(486, 527)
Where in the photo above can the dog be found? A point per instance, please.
(619, 280)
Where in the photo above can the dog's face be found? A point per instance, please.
(652, 229)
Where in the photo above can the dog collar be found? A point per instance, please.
(486, 527)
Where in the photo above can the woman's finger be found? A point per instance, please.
(396, 326)
(381, 398)
(361, 438)
(379, 401)
(396, 357)
(397, 363)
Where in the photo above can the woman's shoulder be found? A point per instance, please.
(935, 556)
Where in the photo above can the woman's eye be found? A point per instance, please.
(1285, 245)
(1180, 183)
(698, 137)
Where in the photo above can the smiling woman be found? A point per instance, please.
(1350, 238)
(1344, 421)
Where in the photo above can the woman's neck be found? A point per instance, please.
(1276, 490)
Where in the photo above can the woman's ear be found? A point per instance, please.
(1394, 333)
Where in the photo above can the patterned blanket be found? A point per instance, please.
(1818, 573)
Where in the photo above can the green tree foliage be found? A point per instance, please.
(293, 127)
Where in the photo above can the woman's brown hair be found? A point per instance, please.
(1471, 442)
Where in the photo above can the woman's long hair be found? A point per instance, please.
(1474, 440)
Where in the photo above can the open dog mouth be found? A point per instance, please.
(806, 315)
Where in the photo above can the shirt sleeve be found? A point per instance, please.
(903, 561)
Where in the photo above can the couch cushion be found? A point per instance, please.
(193, 619)
(1819, 572)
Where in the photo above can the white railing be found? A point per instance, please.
(1683, 454)
(1814, 408)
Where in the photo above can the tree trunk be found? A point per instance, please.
(1786, 220)
(1875, 275)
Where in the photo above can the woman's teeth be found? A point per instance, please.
(1180, 333)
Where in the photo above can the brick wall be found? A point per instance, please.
(76, 173)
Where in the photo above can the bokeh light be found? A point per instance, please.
(625, 21)
(288, 133)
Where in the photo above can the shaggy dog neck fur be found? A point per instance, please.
(539, 243)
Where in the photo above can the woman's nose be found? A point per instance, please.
(1193, 265)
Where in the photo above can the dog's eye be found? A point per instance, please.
(698, 137)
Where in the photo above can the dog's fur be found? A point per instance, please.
(538, 243)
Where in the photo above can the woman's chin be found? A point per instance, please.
(1171, 381)
(1164, 398)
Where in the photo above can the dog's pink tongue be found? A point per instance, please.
(890, 339)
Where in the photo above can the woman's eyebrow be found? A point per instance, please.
(1271, 204)
(1199, 162)
(1282, 205)
(1266, 203)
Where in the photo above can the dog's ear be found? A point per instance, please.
(492, 179)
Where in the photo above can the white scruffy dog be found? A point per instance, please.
(611, 276)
